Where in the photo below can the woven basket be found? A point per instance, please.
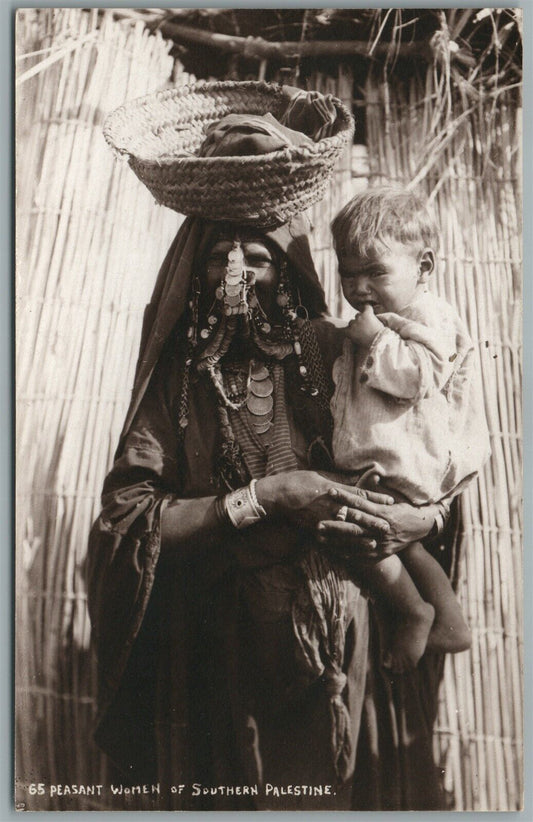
(160, 135)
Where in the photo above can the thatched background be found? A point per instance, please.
(89, 241)
(472, 175)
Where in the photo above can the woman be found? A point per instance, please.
(232, 641)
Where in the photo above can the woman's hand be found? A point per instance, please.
(308, 498)
(407, 523)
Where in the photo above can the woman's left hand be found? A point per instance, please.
(307, 497)
(407, 523)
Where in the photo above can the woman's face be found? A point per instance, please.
(258, 260)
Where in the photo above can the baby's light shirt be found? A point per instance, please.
(411, 406)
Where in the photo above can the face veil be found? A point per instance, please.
(171, 293)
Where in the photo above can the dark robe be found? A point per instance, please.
(199, 682)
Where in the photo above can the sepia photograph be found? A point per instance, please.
(268, 290)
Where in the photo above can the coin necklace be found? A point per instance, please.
(260, 402)
(254, 390)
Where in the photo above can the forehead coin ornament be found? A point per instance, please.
(234, 287)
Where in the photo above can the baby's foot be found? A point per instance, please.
(410, 638)
(448, 638)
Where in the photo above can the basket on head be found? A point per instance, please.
(161, 134)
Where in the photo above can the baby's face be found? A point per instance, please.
(387, 279)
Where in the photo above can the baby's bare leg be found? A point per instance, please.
(449, 633)
(413, 617)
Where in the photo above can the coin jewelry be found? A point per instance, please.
(192, 342)
(212, 321)
(260, 402)
(248, 386)
(234, 287)
(235, 296)
(253, 388)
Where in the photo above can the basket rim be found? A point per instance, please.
(290, 154)
(208, 87)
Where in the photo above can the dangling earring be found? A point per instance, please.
(212, 320)
(294, 317)
(257, 314)
(283, 297)
(192, 331)
(192, 342)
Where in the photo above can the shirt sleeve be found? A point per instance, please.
(408, 360)
(124, 543)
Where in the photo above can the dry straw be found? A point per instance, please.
(89, 240)
(84, 274)
(466, 160)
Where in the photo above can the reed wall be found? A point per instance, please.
(89, 242)
(465, 154)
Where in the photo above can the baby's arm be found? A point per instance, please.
(406, 359)
(363, 329)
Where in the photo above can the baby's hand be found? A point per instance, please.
(364, 327)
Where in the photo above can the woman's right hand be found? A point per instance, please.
(307, 498)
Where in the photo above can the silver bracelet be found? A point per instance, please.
(242, 506)
(258, 507)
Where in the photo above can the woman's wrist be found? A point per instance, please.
(240, 508)
(268, 491)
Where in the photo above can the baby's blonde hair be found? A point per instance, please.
(379, 215)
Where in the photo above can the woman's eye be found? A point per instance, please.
(258, 262)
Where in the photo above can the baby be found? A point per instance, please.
(407, 404)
